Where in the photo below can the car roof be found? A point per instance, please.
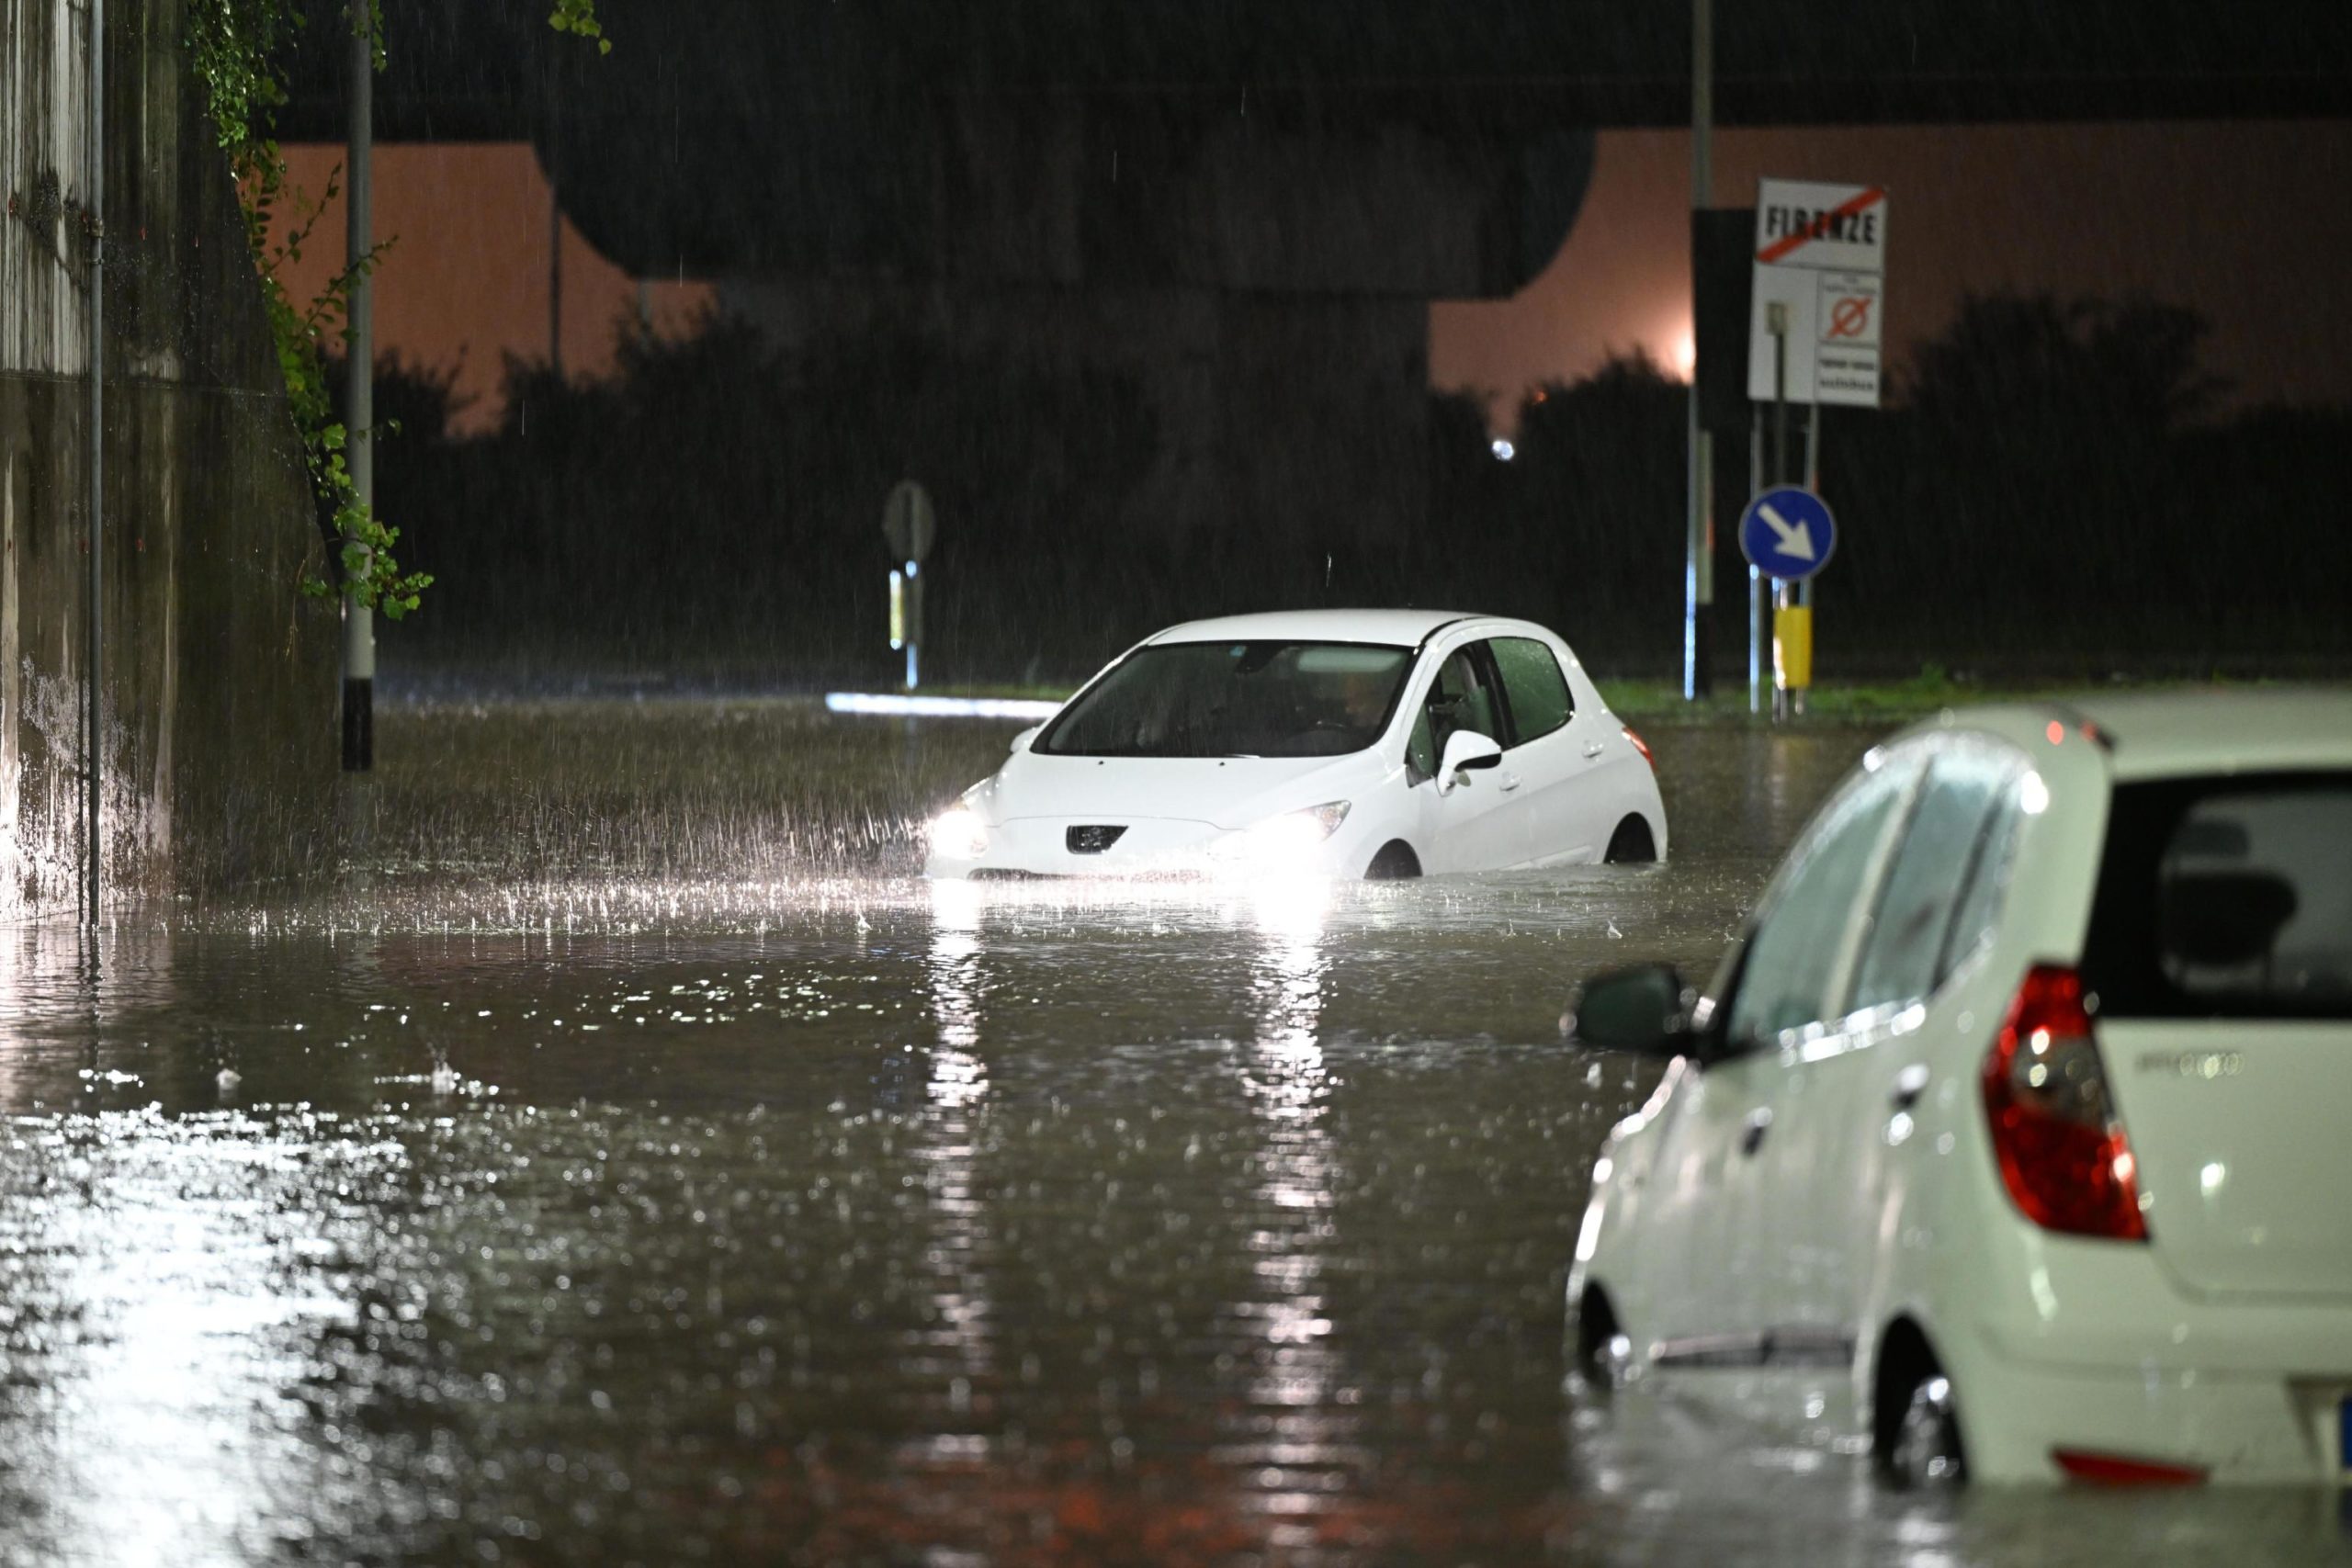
(2212, 729)
(1399, 628)
(2224, 729)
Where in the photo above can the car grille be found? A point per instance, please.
(1091, 839)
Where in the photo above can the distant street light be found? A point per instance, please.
(1504, 451)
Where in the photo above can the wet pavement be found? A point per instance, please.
(625, 1160)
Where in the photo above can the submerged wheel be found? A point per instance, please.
(1632, 844)
(1918, 1424)
(1394, 863)
(1602, 1350)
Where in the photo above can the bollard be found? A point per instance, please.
(1792, 655)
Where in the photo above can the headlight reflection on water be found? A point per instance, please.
(963, 1257)
(1294, 1394)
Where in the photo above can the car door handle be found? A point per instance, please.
(1507, 782)
(1751, 1135)
(1909, 1084)
(1594, 749)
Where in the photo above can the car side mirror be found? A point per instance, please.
(1020, 742)
(1464, 750)
(1641, 1011)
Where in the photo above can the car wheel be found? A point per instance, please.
(1632, 844)
(1394, 863)
(1925, 1453)
(1604, 1353)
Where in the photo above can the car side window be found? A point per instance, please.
(1988, 876)
(1421, 751)
(1459, 698)
(1936, 870)
(1793, 957)
(1533, 688)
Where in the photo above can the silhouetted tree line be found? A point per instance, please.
(715, 509)
(2053, 490)
(2057, 490)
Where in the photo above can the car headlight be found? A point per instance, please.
(1279, 840)
(959, 834)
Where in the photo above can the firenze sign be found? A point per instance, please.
(1821, 260)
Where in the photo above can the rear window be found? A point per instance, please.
(2227, 898)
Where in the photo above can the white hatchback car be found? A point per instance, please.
(2011, 1139)
(1333, 742)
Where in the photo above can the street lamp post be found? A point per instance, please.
(358, 621)
(1699, 566)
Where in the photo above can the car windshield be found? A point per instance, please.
(1234, 699)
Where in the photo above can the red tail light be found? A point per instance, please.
(2061, 1150)
(1640, 745)
(2116, 1470)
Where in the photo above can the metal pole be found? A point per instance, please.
(555, 275)
(358, 621)
(1698, 573)
(1803, 594)
(93, 587)
(1776, 323)
(1755, 576)
(914, 623)
(1812, 479)
(1776, 317)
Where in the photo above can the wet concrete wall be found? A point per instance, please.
(221, 678)
(1264, 282)
(1239, 214)
(1272, 414)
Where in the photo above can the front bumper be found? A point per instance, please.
(1163, 848)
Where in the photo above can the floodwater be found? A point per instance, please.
(625, 1159)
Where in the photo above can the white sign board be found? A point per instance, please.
(1821, 257)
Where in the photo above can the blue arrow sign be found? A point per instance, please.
(1787, 533)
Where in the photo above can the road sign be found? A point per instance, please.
(1802, 223)
(908, 521)
(1821, 256)
(1787, 533)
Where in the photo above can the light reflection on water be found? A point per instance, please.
(961, 1250)
(1297, 1476)
(764, 1214)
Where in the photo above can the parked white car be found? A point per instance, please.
(1330, 742)
(2011, 1139)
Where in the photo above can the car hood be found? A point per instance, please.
(1227, 792)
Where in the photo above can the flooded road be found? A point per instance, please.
(623, 1158)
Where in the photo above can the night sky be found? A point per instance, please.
(466, 279)
(2244, 221)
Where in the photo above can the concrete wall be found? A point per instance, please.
(1265, 280)
(220, 681)
(1276, 416)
